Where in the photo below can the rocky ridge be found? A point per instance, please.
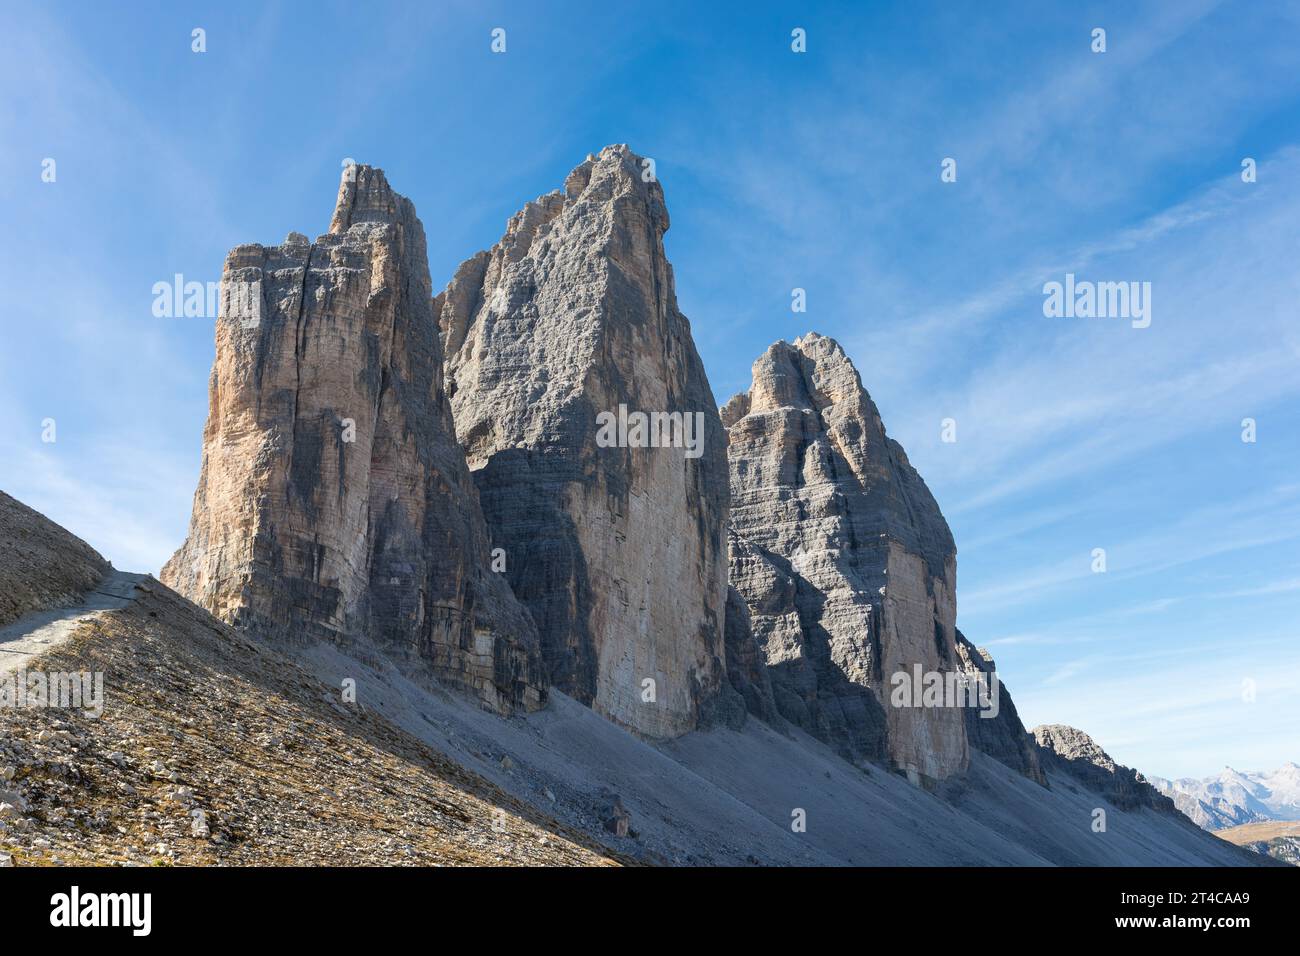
(1073, 752)
(1002, 737)
(215, 749)
(41, 565)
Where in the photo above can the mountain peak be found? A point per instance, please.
(365, 196)
(824, 503)
(334, 503)
(617, 542)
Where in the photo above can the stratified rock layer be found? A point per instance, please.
(618, 552)
(843, 558)
(747, 670)
(334, 502)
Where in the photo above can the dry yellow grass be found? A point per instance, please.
(1260, 832)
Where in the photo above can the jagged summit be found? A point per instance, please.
(365, 196)
(606, 207)
(848, 568)
(815, 375)
(844, 560)
(615, 542)
(334, 502)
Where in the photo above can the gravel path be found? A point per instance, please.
(38, 632)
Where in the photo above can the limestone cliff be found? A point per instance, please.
(334, 502)
(615, 543)
(843, 558)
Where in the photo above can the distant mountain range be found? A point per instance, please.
(1235, 797)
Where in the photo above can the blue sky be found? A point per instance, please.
(781, 170)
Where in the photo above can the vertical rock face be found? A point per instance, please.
(617, 548)
(746, 663)
(334, 502)
(843, 558)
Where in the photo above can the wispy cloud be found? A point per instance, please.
(1239, 526)
(131, 525)
(1181, 714)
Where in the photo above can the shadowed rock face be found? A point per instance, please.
(747, 670)
(1003, 736)
(334, 502)
(1072, 751)
(843, 558)
(618, 552)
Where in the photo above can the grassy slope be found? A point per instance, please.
(1259, 832)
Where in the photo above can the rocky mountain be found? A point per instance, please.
(1234, 798)
(334, 502)
(848, 570)
(419, 515)
(214, 746)
(596, 446)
